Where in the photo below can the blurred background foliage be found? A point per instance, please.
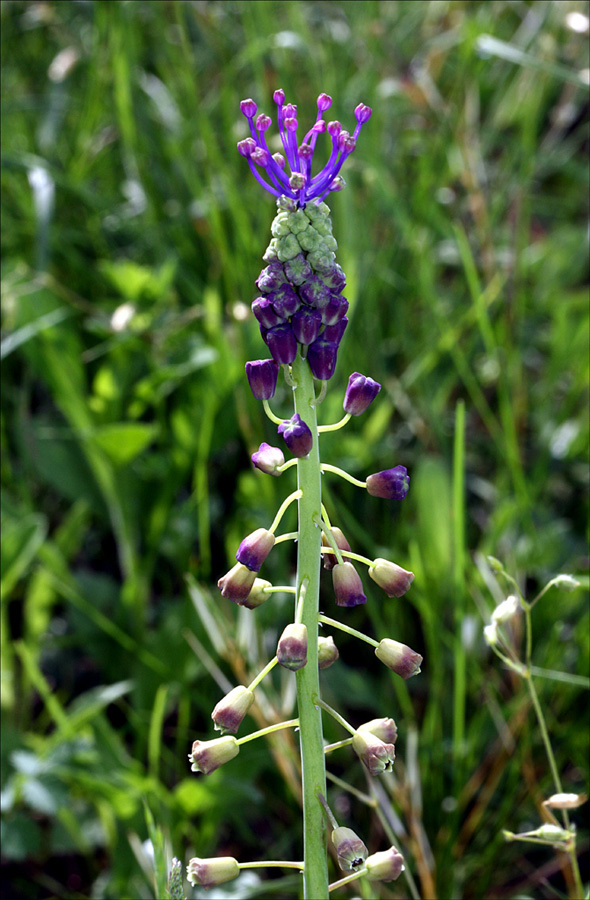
(132, 234)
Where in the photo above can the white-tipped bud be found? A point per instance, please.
(506, 610)
(490, 634)
(565, 801)
(566, 582)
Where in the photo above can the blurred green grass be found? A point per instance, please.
(132, 234)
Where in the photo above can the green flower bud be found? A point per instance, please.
(206, 756)
(230, 711)
(257, 595)
(350, 849)
(374, 753)
(506, 610)
(327, 652)
(385, 866)
(288, 247)
(209, 872)
(298, 222)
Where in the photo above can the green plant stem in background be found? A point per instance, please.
(313, 768)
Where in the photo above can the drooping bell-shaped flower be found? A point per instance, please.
(209, 872)
(268, 459)
(262, 377)
(385, 866)
(385, 729)
(351, 851)
(206, 756)
(297, 436)
(230, 711)
(348, 587)
(360, 393)
(391, 484)
(255, 548)
(375, 754)
(394, 580)
(400, 658)
(292, 647)
(237, 583)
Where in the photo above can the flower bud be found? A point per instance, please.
(237, 583)
(262, 377)
(385, 866)
(335, 278)
(246, 147)
(348, 587)
(350, 849)
(362, 113)
(248, 107)
(258, 595)
(384, 729)
(392, 484)
(298, 270)
(335, 310)
(279, 97)
(297, 179)
(374, 753)
(327, 652)
(330, 559)
(321, 356)
(263, 122)
(360, 393)
(565, 801)
(285, 301)
(209, 872)
(206, 756)
(265, 313)
(490, 634)
(506, 610)
(268, 459)
(324, 102)
(296, 435)
(281, 342)
(292, 647)
(334, 333)
(399, 658)
(230, 711)
(271, 278)
(394, 580)
(255, 548)
(306, 324)
(315, 293)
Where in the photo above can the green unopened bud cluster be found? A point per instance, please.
(309, 231)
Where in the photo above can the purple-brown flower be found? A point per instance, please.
(394, 580)
(392, 484)
(351, 851)
(231, 709)
(210, 872)
(255, 548)
(400, 658)
(384, 729)
(262, 378)
(206, 756)
(375, 754)
(296, 435)
(292, 647)
(385, 866)
(237, 583)
(348, 587)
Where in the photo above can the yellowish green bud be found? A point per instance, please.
(350, 849)
(385, 866)
(210, 872)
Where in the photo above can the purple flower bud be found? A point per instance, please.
(268, 459)
(335, 310)
(247, 146)
(265, 313)
(258, 595)
(279, 159)
(285, 301)
(346, 142)
(298, 270)
(255, 548)
(324, 102)
(209, 872)
(306, 151)
(330, 559)
(362, 113)
(248, 107)
(319, 127)
(327, 652)
(392, 484)
(321, 356)
(296, 435)
(306, 324)
(282, 344)
(351, 851)
(348, 587)
(375, 754)
(394, 580)
(335, 278)
(290, 111)
(334, 333)
(260, 156)
(338, 184)
(279, 97)
(290, 122)
(360, 393)
(231, 709)
(400, 658)
(262, 377)
(271, 278)
(206, 756)
(384, 729)
(292, 647)
(334, 128)
(385, 866)
(263, 122)
(315, 293)
(236, 584)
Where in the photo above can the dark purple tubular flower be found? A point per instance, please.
(255, 548)
(315, 293)
(335, 310)
(296, 435)
(285, 301)
(306, 324)
(348, 587)
(334, 333)
(290, 176)
(271, 278)
(392, 484)
(265, 313)
(281, 342)
(360, 393)
(262, 377)
(321, 357)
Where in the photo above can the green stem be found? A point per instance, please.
(346, 628)
(313, 767)
(270, 729)
(335, 715)
(326, 467)
(263, 673)
(283, 508)
(336, 426)
(270, 413)
(271, 863)
(347, 879)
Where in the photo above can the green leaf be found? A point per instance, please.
(21, 538)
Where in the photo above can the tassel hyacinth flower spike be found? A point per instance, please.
(301, 312)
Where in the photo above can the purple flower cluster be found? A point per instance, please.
(299, 185)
